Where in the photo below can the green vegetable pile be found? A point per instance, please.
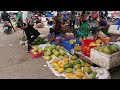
(38, 41)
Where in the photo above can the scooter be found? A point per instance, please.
(7, 28)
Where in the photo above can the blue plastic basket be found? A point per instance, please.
(69, 46)
(55, 43)
(50, 15)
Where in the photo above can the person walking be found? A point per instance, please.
(72, 18)
(82, 17)
(19, 18)
(30, 31)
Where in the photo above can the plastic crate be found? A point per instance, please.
(86, 48)
(36, 55)
(55, 43)
(69, 46)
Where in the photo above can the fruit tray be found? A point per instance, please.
(36, 55)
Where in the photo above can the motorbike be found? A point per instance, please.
(7, 28)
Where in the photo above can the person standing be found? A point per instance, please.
(82, 17)
(64, 18)
(103, 22)
(106, 13)
(29, 30)
(72, 18)
(5, 16)
(19, 18)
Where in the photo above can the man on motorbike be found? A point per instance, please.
(6, 17)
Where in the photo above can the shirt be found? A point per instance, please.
(5, 16)
(19, 15)
(102, 23)
(26, 15)
(72, 17)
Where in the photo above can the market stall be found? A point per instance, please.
(72, 57)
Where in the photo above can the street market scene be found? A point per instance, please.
(60, 44)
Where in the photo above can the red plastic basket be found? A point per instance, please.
(86, 48)
(36, 55)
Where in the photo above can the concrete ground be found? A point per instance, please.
(16, 63)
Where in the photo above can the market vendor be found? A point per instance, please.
(29, 30)
(83, 31)
(72, 18)
(57, 29)
(102, 22)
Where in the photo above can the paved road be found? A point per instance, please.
(16, 63)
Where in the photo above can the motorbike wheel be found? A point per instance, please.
(8, 31)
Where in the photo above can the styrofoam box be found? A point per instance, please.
(105, 60)
(113, 29)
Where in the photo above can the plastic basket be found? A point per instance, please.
(36, 55)
(69, 46)
(55, 43)
(86, 48)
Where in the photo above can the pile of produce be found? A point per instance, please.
(77, 47)
(96, 43)
(73, 68)
(36, 50)
(108, 49)
(39, 40)
(54, 50)
(72, 41)
(87, 47)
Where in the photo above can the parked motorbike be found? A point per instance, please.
(7, 28)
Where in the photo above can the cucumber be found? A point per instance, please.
(93, 75)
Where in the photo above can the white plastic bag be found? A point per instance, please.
(22, 42)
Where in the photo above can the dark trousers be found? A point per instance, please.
(80, 23)
(30, 31)
(72, 24)
(65, 20)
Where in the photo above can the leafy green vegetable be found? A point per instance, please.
(39, 41)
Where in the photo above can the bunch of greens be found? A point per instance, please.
(39, 40)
